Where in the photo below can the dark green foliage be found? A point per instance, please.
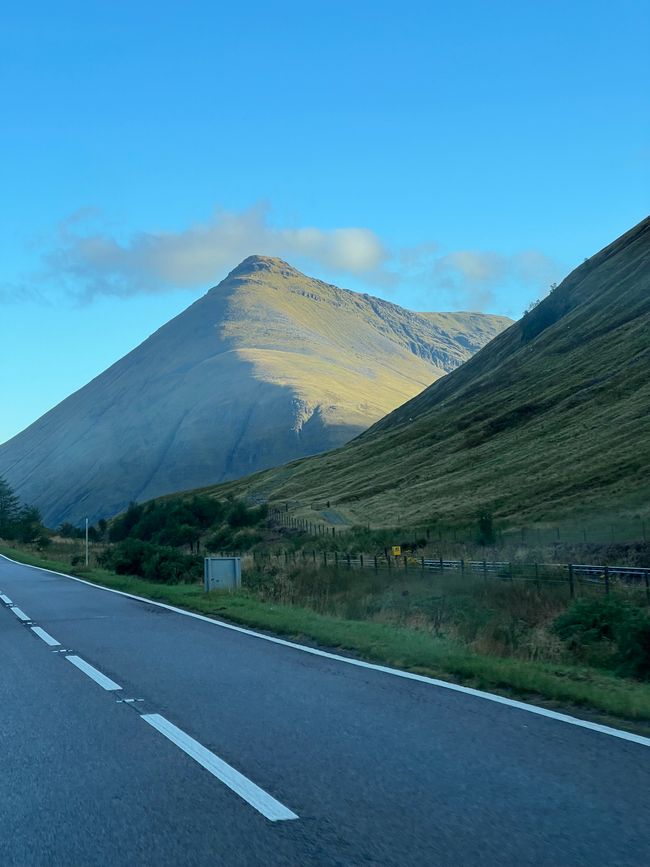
(590, 620)
(153, 562)
(123, 525)
(9, 507)
(147, 539)
(69, 531)
(22, 523)
(177, 522)
(610, 629)
(28, 526)
(486, 534)
(240, 516)
(634, 648)
(43, 542)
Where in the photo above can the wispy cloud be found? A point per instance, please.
(87, 260)
(97, 263)
(476, 275)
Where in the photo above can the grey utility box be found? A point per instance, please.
(222, 572)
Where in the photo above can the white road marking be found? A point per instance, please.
(241, 785)
(47, 638)
(20, 614)
(6, 599)
(97, 676)
(395, 672)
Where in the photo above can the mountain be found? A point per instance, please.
(268, 366)
(550, 419)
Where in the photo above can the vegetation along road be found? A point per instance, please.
(136, 733)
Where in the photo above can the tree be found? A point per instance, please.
(69, 531)
(9, 509)
(28, 525)
(486, 533)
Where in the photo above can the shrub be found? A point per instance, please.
(588, 621)
(634, 648)
(486, 534)
(608, 630)
(153, 562)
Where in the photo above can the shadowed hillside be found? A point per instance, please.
(550, 419)
(268, 366)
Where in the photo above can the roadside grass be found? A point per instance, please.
(622, 701)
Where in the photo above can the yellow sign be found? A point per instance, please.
(396, 550)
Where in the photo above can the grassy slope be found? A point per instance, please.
(353, 356)
(618, 699)
(548, 420)
(267, 367)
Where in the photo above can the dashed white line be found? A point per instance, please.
(97, 676)
(47, 638)
(20, 614)
(6, 599)
(238, 783)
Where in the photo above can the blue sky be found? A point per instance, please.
(442, 155)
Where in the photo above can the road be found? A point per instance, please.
(146, 736)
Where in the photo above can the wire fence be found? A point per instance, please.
(575, 577)
(601, 532)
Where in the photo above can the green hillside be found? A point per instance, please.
(551, 419)
(269, 366)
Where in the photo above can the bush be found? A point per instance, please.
(153, 562)
(486, 534)
(43, 542)
(589, 621)
(222, 540)
(611, 630)
(634, 649)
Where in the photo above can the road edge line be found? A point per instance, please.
(360, 663)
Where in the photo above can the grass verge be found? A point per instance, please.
(622, 701)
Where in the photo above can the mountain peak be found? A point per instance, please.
(253, 264)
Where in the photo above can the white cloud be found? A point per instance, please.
(88, 260)
(151, 262)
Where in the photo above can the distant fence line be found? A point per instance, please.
(572, 575)
(602, 532)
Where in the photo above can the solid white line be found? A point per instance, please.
(97, 676)
(241, 785)
(395, 672)
(47, 638)
(20, 614)
(6, 599)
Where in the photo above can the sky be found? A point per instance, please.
(444, 156)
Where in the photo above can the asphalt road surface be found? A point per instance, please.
(134, 735)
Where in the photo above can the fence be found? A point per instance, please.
(600, 532)
(572, 575)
